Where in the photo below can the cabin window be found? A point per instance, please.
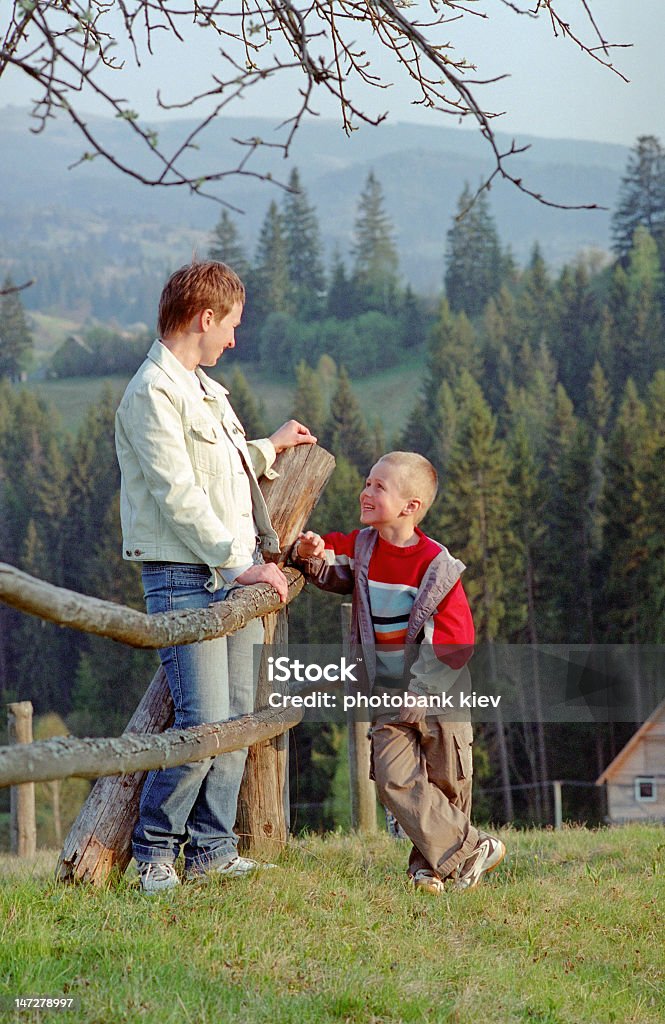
(645, 788)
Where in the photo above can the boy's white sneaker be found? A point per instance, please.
(156, 878)
(425, 880)
(487, 854)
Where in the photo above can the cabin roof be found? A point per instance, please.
(615, 766)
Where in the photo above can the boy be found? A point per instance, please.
(412, 617)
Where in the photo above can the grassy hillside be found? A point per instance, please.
(72, 396)
(568, 930)
(49, 332)
(388, 396)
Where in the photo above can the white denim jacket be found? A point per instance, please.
(184, 496)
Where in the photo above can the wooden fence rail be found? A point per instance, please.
(65, 756)
(137, 629)
(100, 838)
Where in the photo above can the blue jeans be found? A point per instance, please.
(194, 805)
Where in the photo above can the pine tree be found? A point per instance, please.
(651, 500)
(249, 411)
(576, 331)
(339, 508)
(413, 319)
(107, 686)
(225, 246)
(529, 490)
(616, 332)
(26, 451)
(375, 255)
(281, 344)
(645, 289)
(623, 559)
(503, 335)
(599, 408)
(94, 481)
(599, 400)
(346, 431)
(452, 350)
(340, 300)
(16, 341)
(533, 401)
(535, 301)
(570, 616)
(642, 196)
(33, 512)
(632, 337)
(303, 245)
(272, 286)
(308, 401)
(474, 267)
(625, 556)
(475, 514)
(41, 648)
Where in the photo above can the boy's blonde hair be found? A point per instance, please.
(417, 478)
(198, 285)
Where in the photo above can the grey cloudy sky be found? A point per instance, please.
(554, 89)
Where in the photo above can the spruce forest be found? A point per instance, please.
(541, 402)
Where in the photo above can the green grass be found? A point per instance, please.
(568, 930)
(72, 396)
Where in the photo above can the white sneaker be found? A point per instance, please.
(237, 867)
(156, 877)
(488, 853)
(425, 880)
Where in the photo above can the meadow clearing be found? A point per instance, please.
(567, 930)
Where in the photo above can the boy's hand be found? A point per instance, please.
(411, 716)
(291, 434)
(309, 545)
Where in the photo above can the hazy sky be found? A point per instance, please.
(554, 89)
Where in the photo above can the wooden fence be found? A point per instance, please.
(100, 839)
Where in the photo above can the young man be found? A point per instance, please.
(411, 615)
(193, 515)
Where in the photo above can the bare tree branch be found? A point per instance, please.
(17, 287)
(71, 49)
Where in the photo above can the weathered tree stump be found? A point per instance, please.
(100, 839)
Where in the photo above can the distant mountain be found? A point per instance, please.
(422, 170)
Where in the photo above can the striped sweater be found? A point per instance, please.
(395, 574)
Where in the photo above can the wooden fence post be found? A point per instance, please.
(100, 838)
(558, 805)
(263, 803)
(363, 790)
(22, 821)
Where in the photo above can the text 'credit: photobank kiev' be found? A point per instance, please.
(389, 701)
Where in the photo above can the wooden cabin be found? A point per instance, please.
(635, 779)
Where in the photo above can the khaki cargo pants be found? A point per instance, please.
(423, 774)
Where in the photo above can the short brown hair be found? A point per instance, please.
(417, 477)
(197, 286)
